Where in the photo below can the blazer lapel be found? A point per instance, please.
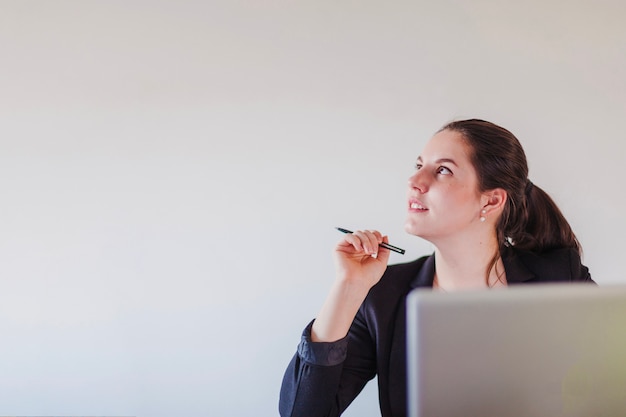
(425, 275)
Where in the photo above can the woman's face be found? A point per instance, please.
(443, 197)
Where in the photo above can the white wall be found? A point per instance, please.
(171, 173)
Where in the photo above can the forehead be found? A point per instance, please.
(447, 144)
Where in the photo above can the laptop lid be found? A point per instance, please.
(535, 350)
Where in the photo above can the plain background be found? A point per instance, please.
(171, 173)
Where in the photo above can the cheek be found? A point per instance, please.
(462, 195)
(462, 200)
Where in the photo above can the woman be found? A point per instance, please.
(471, 198)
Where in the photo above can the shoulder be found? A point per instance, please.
(563, 264)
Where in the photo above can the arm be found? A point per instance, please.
(336, 356)
(322, 378)
(360, 263)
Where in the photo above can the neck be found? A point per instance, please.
(468, 263)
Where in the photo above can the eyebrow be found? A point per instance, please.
(439, 161)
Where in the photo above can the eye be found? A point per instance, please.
(444, 171)
(418, 166)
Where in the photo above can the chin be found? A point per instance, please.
(413, 229)
(418, 230)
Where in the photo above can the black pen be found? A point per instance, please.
(384, 245)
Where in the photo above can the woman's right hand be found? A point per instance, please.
(360, 264)
(359, 259)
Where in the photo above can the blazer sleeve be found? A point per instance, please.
(322, 379)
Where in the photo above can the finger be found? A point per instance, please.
(376, 238)
(350, 240)
(369, 241)
(363, 241)
(383, 253)
(379, 236)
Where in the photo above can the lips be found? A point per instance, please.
(416, 205)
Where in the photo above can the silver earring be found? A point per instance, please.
(482, 218)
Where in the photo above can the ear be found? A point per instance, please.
(493, 201)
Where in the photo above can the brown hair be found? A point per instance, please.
(530, 220)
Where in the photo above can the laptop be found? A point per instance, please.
(523, 351)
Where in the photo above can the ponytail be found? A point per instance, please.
(541, 226)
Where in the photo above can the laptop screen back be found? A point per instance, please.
(536, 350)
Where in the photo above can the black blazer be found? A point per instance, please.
(322, 379)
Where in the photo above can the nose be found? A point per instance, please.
(418, 182)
